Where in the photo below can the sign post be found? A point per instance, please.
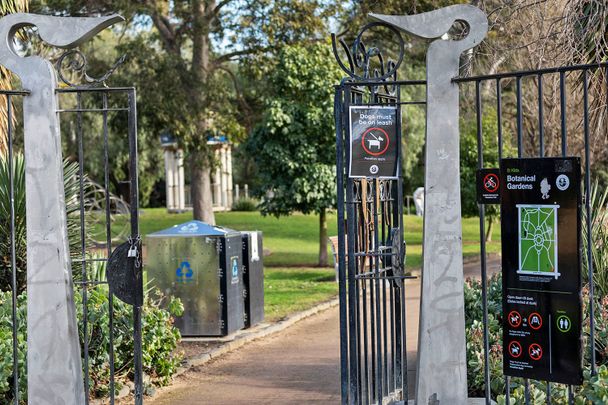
(373, 142)
(541, 267)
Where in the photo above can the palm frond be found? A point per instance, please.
(7, 7)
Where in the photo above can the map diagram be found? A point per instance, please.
(538, 239)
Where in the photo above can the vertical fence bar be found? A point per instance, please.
(482, 242)
(83, 264)
(541, 151)
(370, 262)
(106, 189)
(352, 290)
(11, 192)
(134, 201)
(341, 245)
(499, 117)
(519, 155)
(379, 379)
(500, 140)
(562, 101)
(589, 220)
(400, 320)
(520, 124)
(541, 130)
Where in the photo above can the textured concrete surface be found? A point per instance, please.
(442, 349)
(53, 356)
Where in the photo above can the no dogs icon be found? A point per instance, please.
(375, 141)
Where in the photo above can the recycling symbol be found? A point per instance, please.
(184, 272)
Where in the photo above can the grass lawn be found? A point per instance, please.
(294, 240)
(292, 282)
(289, 290)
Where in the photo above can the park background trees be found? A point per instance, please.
(206, 67)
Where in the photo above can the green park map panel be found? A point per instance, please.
(538, 239)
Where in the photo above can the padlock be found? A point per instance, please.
(132, 251)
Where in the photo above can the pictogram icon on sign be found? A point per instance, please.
(515, 349)
(514, 319)
(563, 323)
(535, 321)
(375, 141)
(535, 351)
(490, 183)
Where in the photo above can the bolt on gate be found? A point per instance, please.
(74, 246)
(370, 217)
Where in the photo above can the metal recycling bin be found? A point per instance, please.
(253, 278)
(202, 265)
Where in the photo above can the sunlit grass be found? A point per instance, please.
(294, 240)
(289, 290)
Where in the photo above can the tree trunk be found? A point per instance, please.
(323, 238)
(200, 188)
(489, 230)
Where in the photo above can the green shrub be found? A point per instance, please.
(72, 192)
(6, 347)
(594, 389)
(160, 338)
(599, 234)
(245, 204)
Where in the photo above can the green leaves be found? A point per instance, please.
(294, 145)
(594, 389)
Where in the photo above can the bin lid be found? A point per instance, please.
(194, 228)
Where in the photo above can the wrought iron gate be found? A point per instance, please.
(372, 284)
(99, 222)
(371, 260)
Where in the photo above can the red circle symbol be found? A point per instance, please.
(514, 319)
(375, 138)
(490, 183)
(515, 349)
(535, 351)
(535, 320)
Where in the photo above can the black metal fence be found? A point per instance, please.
(95, 225)
(522, 121)
(539, 113)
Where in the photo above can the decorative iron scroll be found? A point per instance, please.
(75, 61)
(359, 56)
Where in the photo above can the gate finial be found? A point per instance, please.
(53, 356)
(442, 370)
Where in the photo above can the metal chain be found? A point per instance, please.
(135, 249)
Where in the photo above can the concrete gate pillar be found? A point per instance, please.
(53, 348)
(441, 376)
